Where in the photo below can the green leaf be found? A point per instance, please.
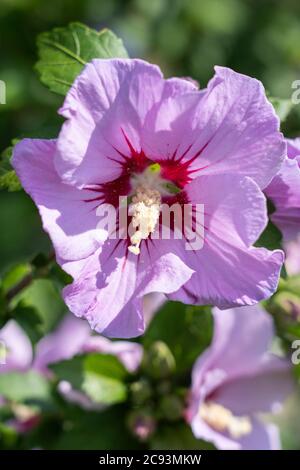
(63, 52)
(18, 386)
(70, 370)
(10, 279)
(14, 275)
(187, 331)
(30, 320)
(282, 107)
(100, 376)
(58, 276)
(271, 238)
(106, 365)
(103, 379)
(103, 389)
(36, 304)
(45, 298)
(8, 177)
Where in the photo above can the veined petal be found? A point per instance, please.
(239, 374)
(106, 110)
(66, 216)
(293, 148)
(284, 192)
(110, 289)
(129, 353)
(228, 271)
(105, 288)
(220, 363)
(228, 128)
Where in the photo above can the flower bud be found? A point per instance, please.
(140, 391)
(159, 362)
(142, 424)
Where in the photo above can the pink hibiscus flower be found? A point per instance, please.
(72, 337)
(131, 133)
(235, 380)
(284, 192)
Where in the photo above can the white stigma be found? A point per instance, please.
(221, 419)
(145, 210)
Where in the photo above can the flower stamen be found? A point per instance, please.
(221, 419)
(145, 210)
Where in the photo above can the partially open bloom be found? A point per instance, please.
(130, 133)
(16, 356)
(16, 349)
(71, 337)
(235, 379)
(284, 192)
(74, 336)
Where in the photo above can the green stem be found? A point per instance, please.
(29, 278)
(15, 290)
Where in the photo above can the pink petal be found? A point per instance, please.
(113, 282)
(18, 348)
(109, 100)
(293, 148)
(228, 271)
(263, 437)
(201, 430)
(263, 390)
(64, 343)
(66, 216)
(129, 353)
(292, 262)
(228, 128)
(233, 353)
(284, 192)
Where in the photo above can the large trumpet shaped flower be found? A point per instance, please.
(129, 132)
(236, 379)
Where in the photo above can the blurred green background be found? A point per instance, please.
(185, 37)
